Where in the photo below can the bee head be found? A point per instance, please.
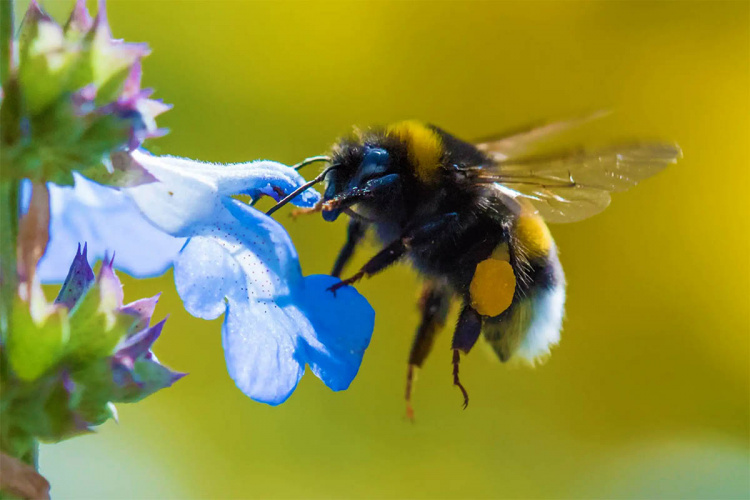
(355, 164)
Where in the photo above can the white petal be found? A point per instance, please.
(189, 192)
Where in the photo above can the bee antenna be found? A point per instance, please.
(311, 160)
(303, 187)
(299, 166)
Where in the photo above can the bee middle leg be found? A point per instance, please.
(355, 231)
(434, 305)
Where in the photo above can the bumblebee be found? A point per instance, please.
(471, 219)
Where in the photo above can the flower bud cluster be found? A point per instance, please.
(65, 363)
(74, 97)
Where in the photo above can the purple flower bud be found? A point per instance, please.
(80, 20)
(137, 345)
(79, 280)
(141, 309)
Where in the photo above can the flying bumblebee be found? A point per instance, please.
(471, 218)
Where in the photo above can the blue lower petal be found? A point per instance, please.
(260, 351)
(342, 326)
(205, 274)
(276, 322)
(110, 223)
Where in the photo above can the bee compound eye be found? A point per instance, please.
(375, 156)
(330, 191)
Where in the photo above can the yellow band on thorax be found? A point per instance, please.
(424, 147)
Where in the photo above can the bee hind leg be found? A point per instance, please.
(433, 304)
(467, 332)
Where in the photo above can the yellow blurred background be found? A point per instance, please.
(646, 397)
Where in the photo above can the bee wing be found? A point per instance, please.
(501, 147)
(572, 186)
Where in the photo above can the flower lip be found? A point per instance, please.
(275, 319)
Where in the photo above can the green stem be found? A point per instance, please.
(9, 192)
(6, 38)
(20, 445)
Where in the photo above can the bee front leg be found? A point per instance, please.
(467, 332)
(382, 259)
(354, 234)
(424, 234)
(298, 212)
(434, 305)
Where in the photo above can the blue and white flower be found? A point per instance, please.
(74, 115)
(228, 259)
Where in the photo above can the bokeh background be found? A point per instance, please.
(646, 397)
